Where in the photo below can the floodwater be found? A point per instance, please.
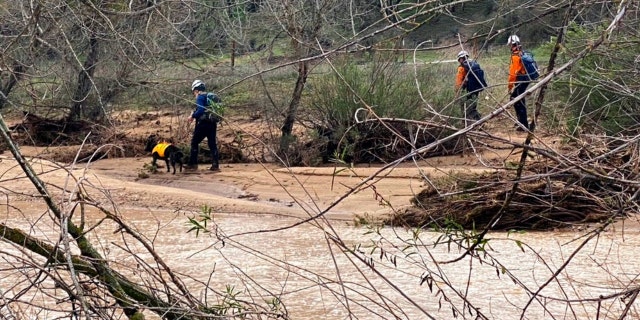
(331, 270)
(314, 275)
(334, 270)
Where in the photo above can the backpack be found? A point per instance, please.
(476, 81)
(530, 66)
(215, 109)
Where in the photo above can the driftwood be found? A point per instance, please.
(374, 141)
(549, 195)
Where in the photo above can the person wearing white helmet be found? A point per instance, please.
(470, 78)
(205, 128)
(517, 84)
(513, 39)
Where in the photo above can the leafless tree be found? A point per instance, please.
(74, 58)
(66, 269)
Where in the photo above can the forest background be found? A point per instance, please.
(331, 83)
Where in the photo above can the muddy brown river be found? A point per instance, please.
(333, 269)
(317, 279)
(291, 262)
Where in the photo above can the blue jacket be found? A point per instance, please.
(201, 106)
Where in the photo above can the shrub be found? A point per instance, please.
(385, 85)
(600, 88)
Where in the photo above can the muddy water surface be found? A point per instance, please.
(265, 256)
(331, 270)
(312, 275)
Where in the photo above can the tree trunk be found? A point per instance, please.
(16, 71)
(287, 127)
(84, 85)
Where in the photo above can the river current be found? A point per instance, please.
(335, 270)
(389, 273)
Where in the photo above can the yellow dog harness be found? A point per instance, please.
(160, 148)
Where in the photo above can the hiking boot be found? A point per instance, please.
(214, 168)
(521, 127)
(191, 167)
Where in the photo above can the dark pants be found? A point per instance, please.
(520, 106)
(471, 106)
(204, 129)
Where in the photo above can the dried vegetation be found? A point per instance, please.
(592, 183)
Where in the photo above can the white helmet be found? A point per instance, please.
(462, 54)
(196, 84)
(513, 40)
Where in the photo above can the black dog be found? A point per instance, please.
(164, 151)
